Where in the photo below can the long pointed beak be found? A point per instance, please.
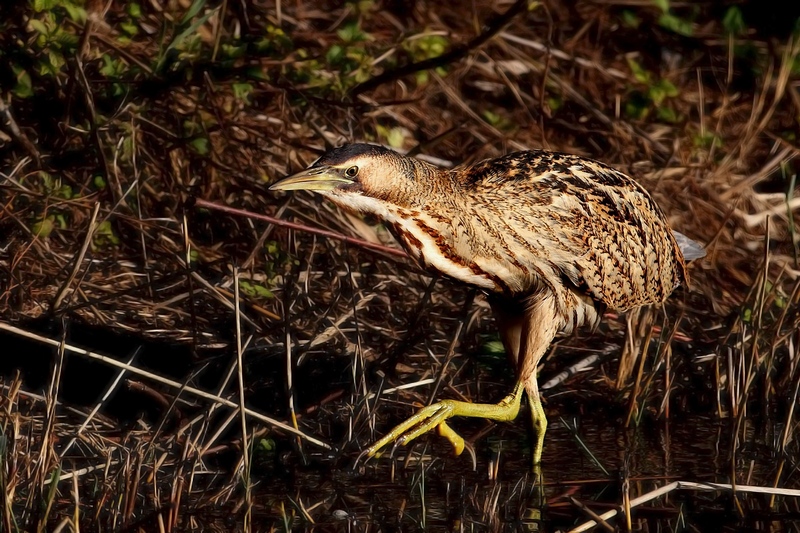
(312, 179)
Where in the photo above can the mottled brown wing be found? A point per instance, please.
(585, 222)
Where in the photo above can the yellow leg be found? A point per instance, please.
(435, 416)
(539, 427)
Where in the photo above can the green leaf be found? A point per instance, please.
(669, 88)
(676, 24)
(554, 103)
(231, 51)
(65, 191)
(351, 33)
(99, 182)
(75, 13)
(129, 27)
(241, 91)
(667, 114)
(200, 145)
(637, 106)
(109, 68)
(263, 292)
(134, 10)
(104, 235)
(662, 90)
(491, 117)
(733, 21)
(44, 227)
(494, 347)
(38, 25)
(656, 94)
(639, 73)
(191, 30)
(257, 73)
(707, 140)
(253, 290)
(65, 39)
(334, 55)
(56, 60)
(663, 5)
(24, 86)
(630, 19)
(272, 247)
(396, 138)
(194, 9)
(44, 5)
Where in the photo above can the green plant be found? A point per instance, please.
(670, 21)
(254, 290)
(114, 68)
(707, 140)
(651, 93)
(274, 43)
(425, 47)
(55, 38)
(104, 236)
(733, 21)
(630, 19)
(497, 120)
(23, 86)
(186, 43)
(242, 91)
(394, 137)
(351, 60)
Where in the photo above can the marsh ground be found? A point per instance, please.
(118, 332)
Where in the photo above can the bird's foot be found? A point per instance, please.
(436, 415)
(427, 418)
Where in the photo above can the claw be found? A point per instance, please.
(436, 415)
(423, 421)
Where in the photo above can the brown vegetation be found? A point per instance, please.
(115, 118)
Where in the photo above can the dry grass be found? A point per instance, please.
(152, 109)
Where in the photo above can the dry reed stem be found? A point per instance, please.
(171, 383)
(690, 485)
(556, 77)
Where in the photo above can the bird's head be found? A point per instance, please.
(360, 177)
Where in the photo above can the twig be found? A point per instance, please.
(594, 516)
(688, 485)
(165, 381)
(301, 227)
(452, 56)
(111, 388)
(559, 54)
(248, 513)
(18, 135)
(78, 259)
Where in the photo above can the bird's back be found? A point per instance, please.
(539, 221)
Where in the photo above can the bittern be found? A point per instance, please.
(554, 239)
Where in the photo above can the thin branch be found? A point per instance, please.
(165, 381)
(301, 227)
(457, 53)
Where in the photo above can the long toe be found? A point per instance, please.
(423, 421)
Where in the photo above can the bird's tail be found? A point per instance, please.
(690, 249)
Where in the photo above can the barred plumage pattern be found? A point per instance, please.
(553, 238)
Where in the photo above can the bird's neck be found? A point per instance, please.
(433, 185)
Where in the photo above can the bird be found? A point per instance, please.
(553, 239)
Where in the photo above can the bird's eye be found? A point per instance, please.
(351, 172)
